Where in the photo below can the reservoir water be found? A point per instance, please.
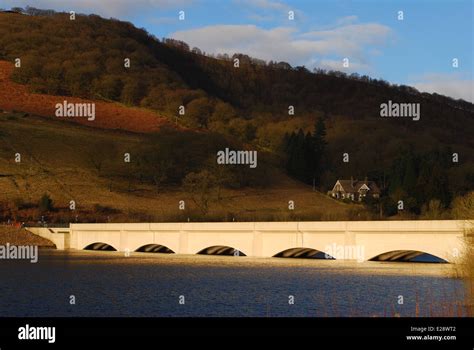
(157, 285)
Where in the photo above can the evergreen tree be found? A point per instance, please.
(298, 159)
(309, 157)
(306, 154)
(319, 144)
(410, 175)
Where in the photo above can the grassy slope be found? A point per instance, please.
(56, 160)
(17, 236)
(18, 97)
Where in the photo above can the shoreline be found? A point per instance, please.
(21, 237)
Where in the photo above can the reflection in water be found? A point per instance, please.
(155, 248)
(150, 284)
(100, 246)
(221, 250)
(408, 256)
(303, 253)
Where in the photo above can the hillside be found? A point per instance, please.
(71, 162)
(244, 108)
(22, 237)
(17, 97)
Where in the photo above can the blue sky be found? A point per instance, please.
(416, 51)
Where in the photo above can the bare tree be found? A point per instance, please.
(202, 187)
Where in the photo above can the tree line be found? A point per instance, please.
(306, 157)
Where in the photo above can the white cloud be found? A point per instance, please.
(453, 85)
(351, 39)
(347, 20)
(260, 18)
(287, 44)
(106, 8)
(338, 65)
(266, 10)
(265, 4)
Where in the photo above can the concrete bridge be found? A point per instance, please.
(347, 240)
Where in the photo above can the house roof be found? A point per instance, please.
(350, 186)
(346, 185)
(370, 184)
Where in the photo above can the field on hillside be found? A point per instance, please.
(17, 97)
(62, 160)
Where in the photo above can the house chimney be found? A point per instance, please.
(352, 181)
(366, 180)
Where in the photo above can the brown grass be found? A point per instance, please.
(19, 236)
(17, 97)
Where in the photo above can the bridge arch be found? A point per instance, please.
(408, 256)
(221, 250)
(99, 246)
(303, 253)
(154, 248)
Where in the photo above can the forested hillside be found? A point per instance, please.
(334, 114)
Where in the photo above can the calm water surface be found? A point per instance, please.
(146, 284)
